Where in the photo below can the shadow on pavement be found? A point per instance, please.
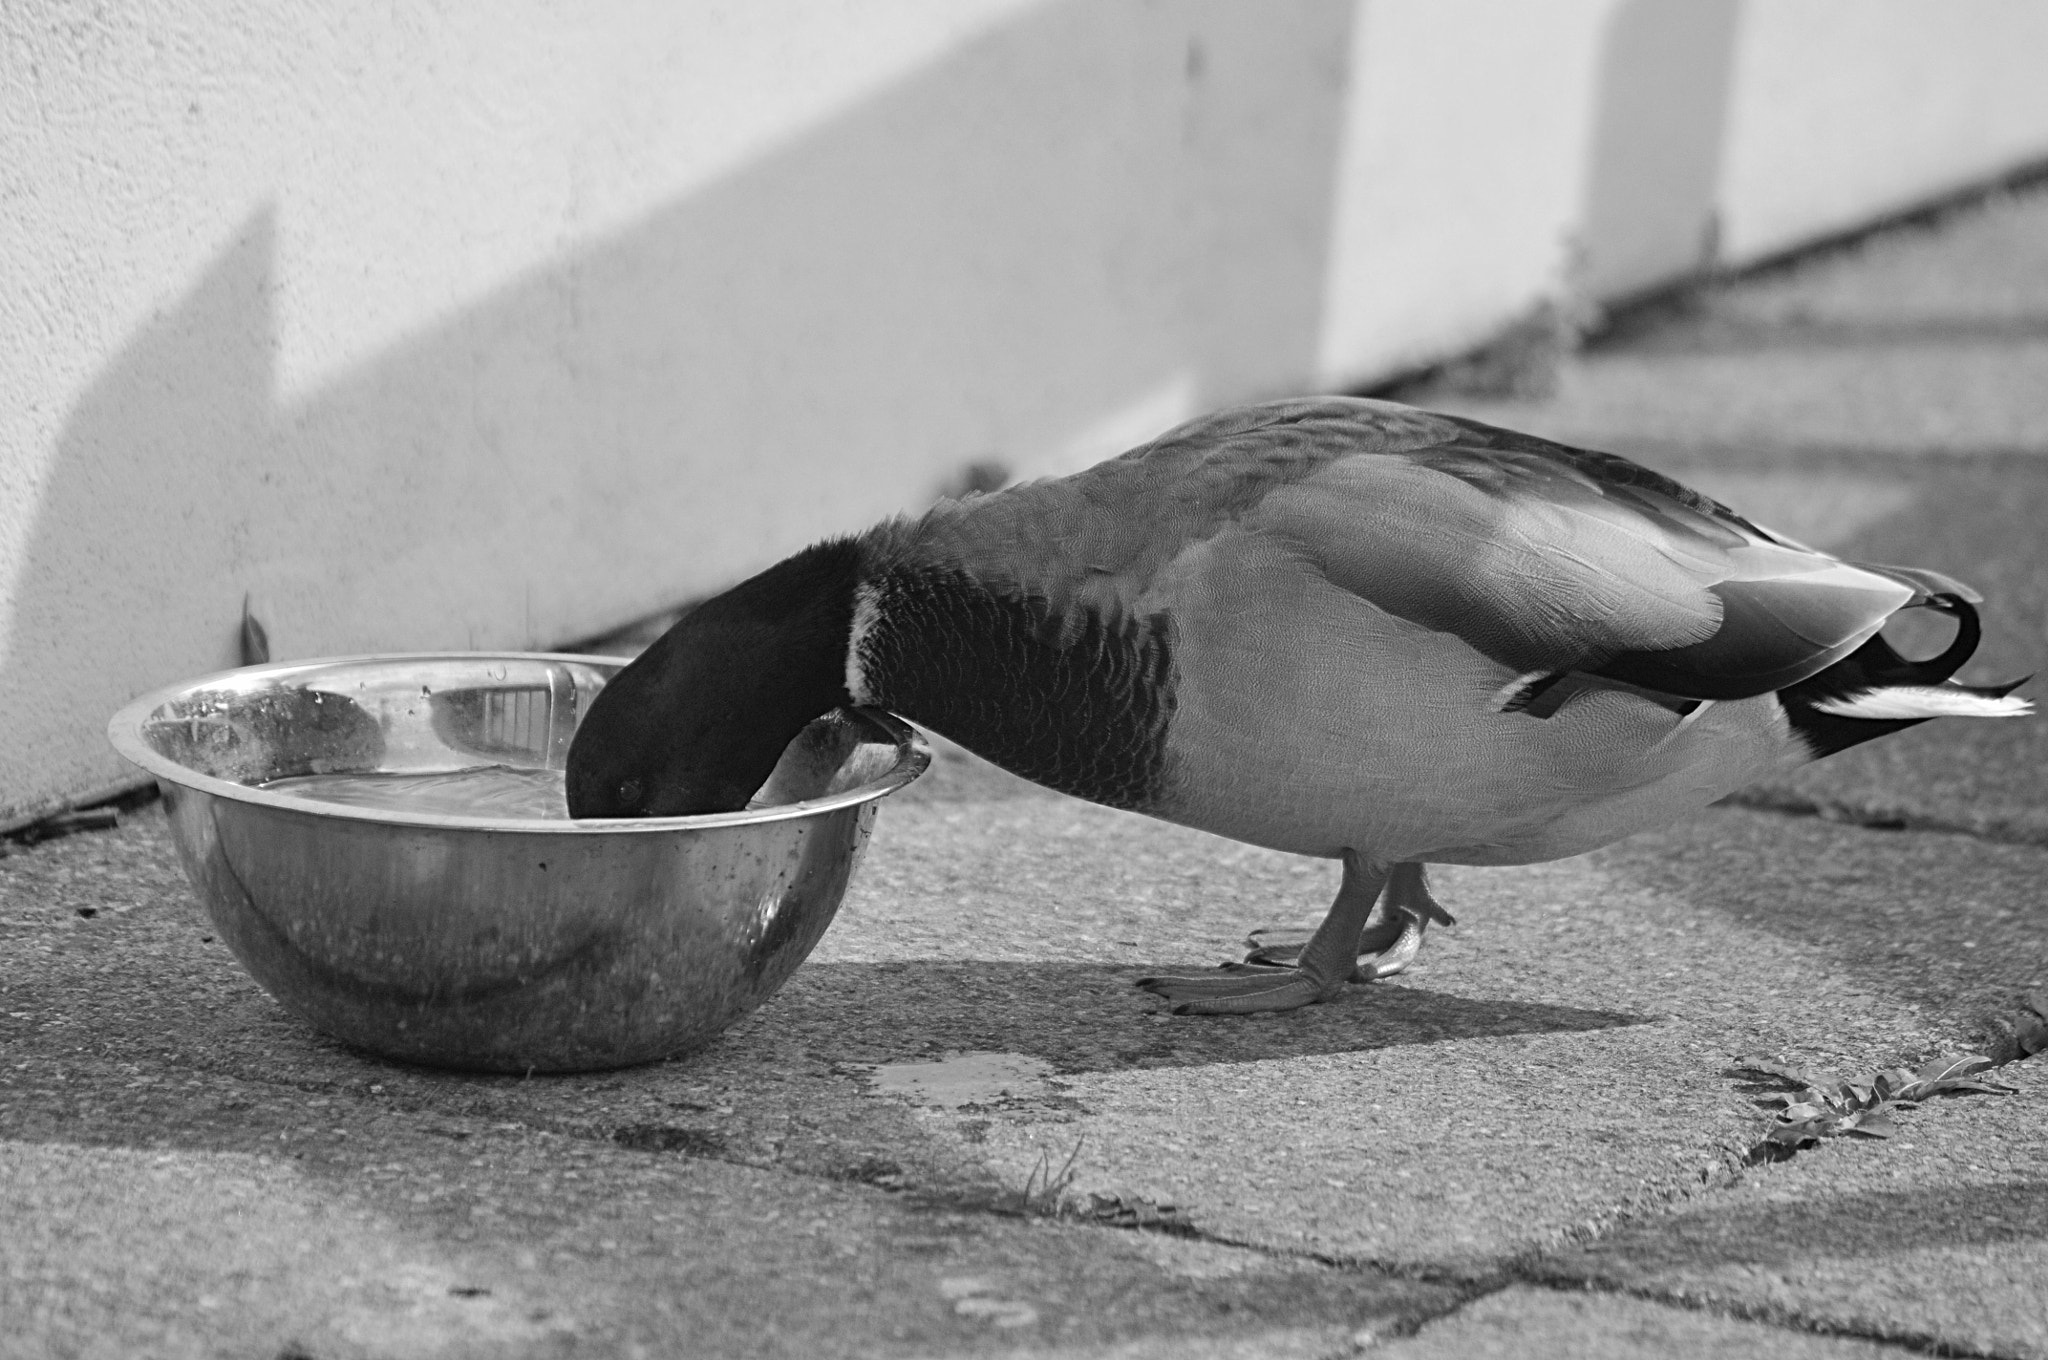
(1088, 1017)
(1772, 1234)
(1945, 921)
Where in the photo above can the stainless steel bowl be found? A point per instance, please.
(506, 945)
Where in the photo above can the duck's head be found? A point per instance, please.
(696, 724)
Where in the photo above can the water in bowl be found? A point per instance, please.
(482, 791)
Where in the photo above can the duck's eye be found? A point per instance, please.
(629, 793)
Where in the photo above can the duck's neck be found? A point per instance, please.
(698, 721)
(1069, 698)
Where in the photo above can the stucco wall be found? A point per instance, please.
(1843, 110)
(1458, 191)
(460, 325)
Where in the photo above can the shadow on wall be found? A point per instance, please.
(1053, 223)
(1654, 168)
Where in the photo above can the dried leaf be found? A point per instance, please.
(1775, 1069)
(252, 641)
(1871, 1123)
(1952, 1076)
(2030, 1032)
(1130, 1211)
(1826, 1108)
(1942, 1069)
(1793, 1136)
(1972, 1086)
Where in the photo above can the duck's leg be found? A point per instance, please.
(1320, 971)
(1392, 936)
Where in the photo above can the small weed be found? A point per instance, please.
(1045, 1191)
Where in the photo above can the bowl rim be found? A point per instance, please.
(124, 732)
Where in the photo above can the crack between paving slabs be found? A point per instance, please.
(1469, 1287)
(1923, 1343)
(998, 1201)
(1530, 1269)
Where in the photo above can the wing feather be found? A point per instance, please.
(1546, 558)
(1550, 559)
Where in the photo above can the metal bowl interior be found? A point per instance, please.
(494, 943)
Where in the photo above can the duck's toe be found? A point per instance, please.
(1241, 989)
(1280, 946)
(1384, 948)
(1321, 968)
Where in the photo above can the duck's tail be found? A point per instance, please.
(1874, 690)
(1899, 703)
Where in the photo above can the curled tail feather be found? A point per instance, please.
(1874, 690)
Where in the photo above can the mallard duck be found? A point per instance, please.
(1331, 626)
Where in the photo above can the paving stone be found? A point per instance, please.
(1521, 1321)
(188, 1170)
(1949, 926)
(1558, 1055)
(1555, 1059)
(1912, 342)
(235, 1221)
(1937, 1237)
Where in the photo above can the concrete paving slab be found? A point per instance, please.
(1553, 1065)
(1920, 397)
(236, 1219)
(1520, 1322)
(172, 1138)
(1937, 1237)
(119, 1252)
(1947, 926)
(1912, 342)
(1557, 1056)
(1550, 1064)
(1972, 268)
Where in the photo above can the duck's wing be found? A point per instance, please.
(1553, 560)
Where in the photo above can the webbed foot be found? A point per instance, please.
(1319, 970)
(1241, 989)
(1392, 936)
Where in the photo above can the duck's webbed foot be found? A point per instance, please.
(1241, 989)
(1392, 936)
(1319, 969)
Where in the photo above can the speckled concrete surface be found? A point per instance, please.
(1554, 1067)
(191, 1170)
(1928, 340)
(1519, 1322)
(1556, 1056)
(1937, 1236)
